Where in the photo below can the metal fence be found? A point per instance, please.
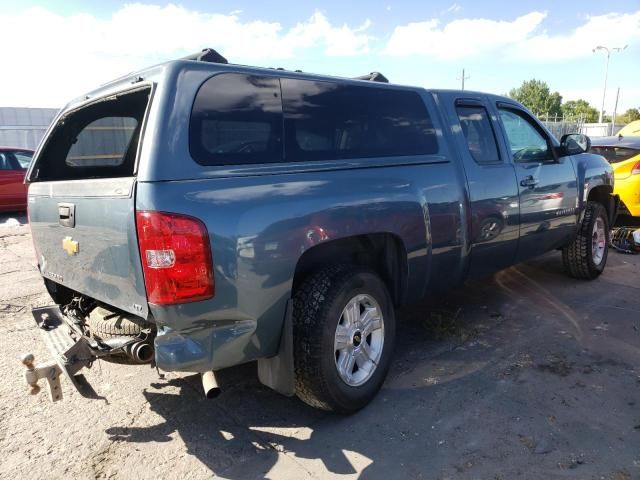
(24, 127)
(560, 125)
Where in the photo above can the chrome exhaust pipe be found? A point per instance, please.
(210, 384)
(142, 352)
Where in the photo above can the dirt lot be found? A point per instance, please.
(528, 374)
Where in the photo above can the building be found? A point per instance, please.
(24, 127)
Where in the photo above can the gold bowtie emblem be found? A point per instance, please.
(70, 246)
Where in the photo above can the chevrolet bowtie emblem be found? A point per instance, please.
(70, 246)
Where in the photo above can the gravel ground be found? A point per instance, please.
(527, 374)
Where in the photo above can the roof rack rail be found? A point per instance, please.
(373, 77)
(206, 55)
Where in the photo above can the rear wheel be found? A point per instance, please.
(344, 331)
(586, 257)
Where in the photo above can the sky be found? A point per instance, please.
(53, 51)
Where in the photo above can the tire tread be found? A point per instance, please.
(577, 256)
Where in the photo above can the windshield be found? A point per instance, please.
(15, 159)
(615, 154)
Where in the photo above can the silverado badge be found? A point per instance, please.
(70, 246)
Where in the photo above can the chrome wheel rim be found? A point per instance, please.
(358, 340)
(598, 241)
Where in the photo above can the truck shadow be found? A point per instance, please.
(448, 351)
(244, 432)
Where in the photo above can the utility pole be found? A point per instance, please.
(463, 78)
(606, 72)
(615, 108)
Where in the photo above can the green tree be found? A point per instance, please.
(537, 97)
(576, 109)
(629, 116)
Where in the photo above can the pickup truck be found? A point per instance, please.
(198, 215)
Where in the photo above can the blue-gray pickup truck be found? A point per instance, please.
(198, 215)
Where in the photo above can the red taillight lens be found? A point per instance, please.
(176, 257)
(636, 169)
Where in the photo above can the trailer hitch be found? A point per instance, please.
(49, 370)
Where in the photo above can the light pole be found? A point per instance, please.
(606, 72)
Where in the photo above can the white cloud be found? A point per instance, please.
(612, 29)
(462, 37)
(454, 8)
(59, 57)
(520, 39)
(339, 41)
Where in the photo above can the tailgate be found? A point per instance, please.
(85, 238)
(82, 200)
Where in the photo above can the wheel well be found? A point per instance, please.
(382, 252)
(603, 195)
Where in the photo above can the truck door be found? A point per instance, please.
(493, 190)
(548, 188)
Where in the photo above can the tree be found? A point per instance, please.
(536, 96)
(580, 109)
(629, 116)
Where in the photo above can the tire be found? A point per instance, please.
(104, 324)
(583, 258)
(319, 305)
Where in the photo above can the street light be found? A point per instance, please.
(606, 72)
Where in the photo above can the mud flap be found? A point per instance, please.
(278, 372)
(614, 209)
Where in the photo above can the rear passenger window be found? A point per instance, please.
(478, 132)
(325, 121)
(237, 118)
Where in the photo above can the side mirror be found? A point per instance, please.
(574, 143)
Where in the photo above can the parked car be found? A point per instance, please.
(232, 214)
(13, 167)
(632, 129)
(623, 153)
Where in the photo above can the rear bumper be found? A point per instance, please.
(219, 345)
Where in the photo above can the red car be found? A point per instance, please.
(13, 166)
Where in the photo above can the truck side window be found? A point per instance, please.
(237, 118)
(477, 130)
(327, 121)
(99, 140)
(526, 142)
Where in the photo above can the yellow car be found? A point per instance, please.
(630, 130)
(623, 153)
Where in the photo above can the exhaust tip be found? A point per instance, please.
(213, 393)
(142, 352)
(210, 385)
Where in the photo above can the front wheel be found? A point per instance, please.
(344, 331)
(586, 256)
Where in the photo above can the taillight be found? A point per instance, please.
(636, 169)
(176, 257)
